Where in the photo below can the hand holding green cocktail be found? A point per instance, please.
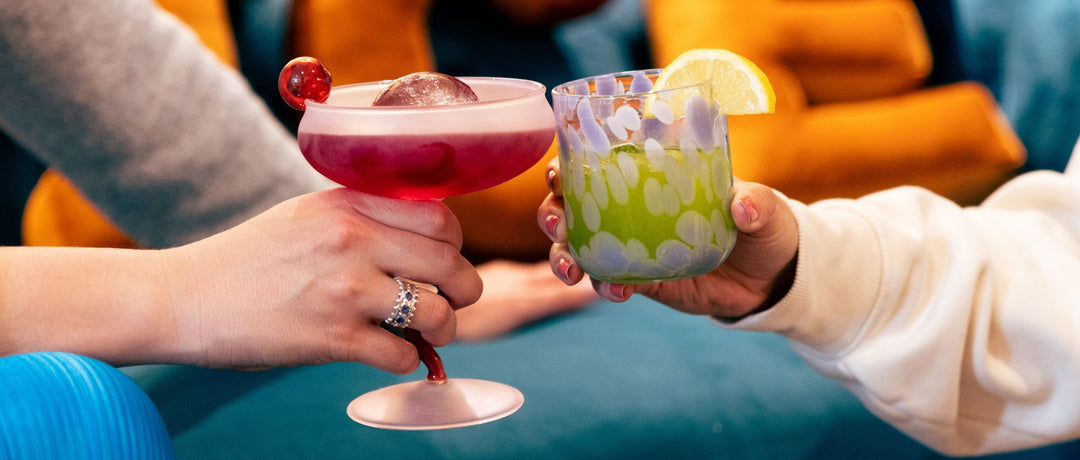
(646, 170)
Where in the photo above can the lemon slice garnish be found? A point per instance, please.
(739, 87)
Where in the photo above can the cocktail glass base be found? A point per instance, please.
(429, 405)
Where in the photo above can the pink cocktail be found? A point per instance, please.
(426, 153)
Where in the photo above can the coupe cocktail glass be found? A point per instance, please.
(646, 177)
(429, 153)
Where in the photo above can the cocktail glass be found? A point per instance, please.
(429, 153)
(646, 177)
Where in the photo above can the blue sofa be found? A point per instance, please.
(632, 380)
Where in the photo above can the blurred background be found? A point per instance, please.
(868, 93)
(955, 96)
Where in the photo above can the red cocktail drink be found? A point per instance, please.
(424, 166)
(428, 152)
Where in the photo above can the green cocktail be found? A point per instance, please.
(646, 178)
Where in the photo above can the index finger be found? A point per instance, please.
(431, 219)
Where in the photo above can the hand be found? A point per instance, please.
(516, 294)
(758, 272)
(309, 281)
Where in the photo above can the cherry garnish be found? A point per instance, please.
(428, 356)
(302, 79)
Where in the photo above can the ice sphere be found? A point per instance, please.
(425, 88)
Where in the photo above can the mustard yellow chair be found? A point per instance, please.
(853, 114)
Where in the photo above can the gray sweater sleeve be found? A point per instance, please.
(123, 99)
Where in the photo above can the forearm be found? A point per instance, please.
(109, 304)
(956, 325)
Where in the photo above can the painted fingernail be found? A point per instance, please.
(564, 267)
(551, 223)
(550, 177)
(619, 291)
(749, 209)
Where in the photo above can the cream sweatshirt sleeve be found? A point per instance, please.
(961, 327)
(124, 100)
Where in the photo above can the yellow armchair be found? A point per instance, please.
(853, 115)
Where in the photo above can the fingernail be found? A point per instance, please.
(550, 178)
(551, 223)
(564, 266)
(748, 208)
(619, 291)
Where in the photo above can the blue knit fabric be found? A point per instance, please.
(64, 406)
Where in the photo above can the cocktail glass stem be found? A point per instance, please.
(428, 356)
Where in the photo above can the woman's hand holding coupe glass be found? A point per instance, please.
(323, 265)
(306, 282)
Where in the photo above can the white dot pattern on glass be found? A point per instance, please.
(646, 196)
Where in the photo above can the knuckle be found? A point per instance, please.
(445, 255)
(344, 286)
(404, 361)
(339, 233)
(440, 316)
(443, 221)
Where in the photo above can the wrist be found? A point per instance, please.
(780, 287)
(180, 308)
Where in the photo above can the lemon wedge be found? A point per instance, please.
(739, 87)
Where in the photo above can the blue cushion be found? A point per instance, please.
(632, 380)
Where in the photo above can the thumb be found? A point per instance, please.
(768, 233)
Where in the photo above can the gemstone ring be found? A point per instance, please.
(405, 305)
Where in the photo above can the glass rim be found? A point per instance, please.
(531, 88)
(560, 89)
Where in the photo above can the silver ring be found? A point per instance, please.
(405, 305)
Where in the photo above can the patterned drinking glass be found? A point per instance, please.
(646, 177)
